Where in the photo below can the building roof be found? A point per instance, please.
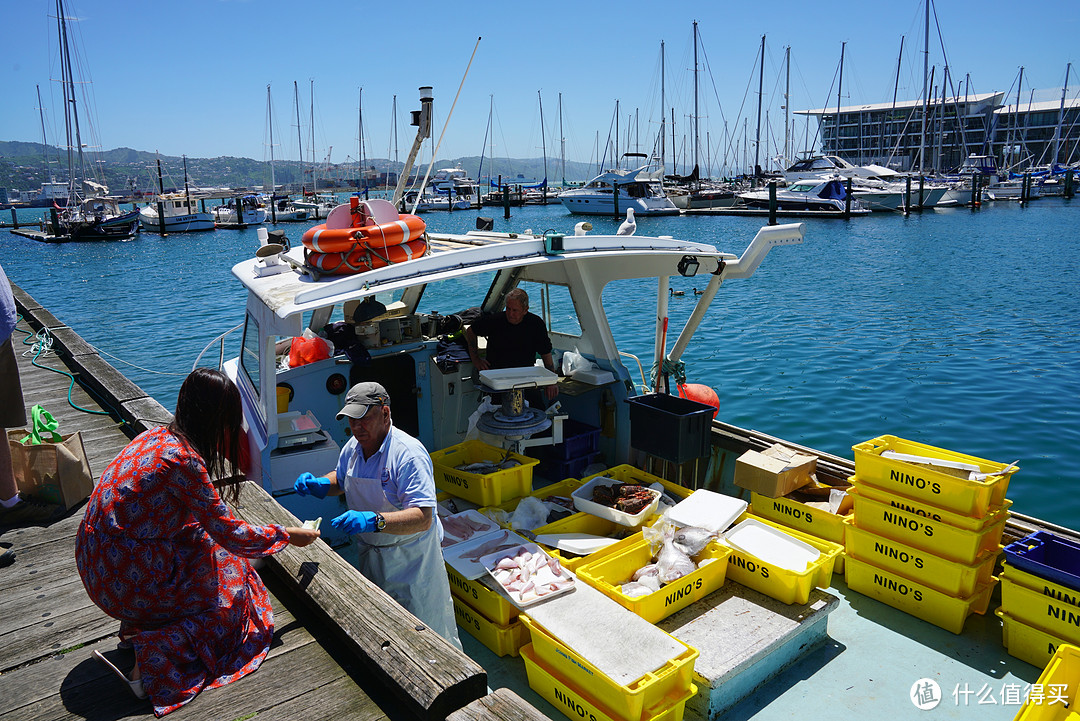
(975, 98)
(1039, 107)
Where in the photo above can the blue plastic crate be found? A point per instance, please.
(1047, 556)
(579, 439)
(555, 469)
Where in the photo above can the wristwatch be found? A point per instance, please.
(380, 522)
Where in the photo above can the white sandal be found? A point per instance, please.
(135, 686)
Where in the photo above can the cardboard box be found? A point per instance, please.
(774, 472)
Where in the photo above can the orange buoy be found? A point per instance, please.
(345, 240)
(701, 394)
(367, 258)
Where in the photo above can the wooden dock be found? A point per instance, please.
(342, 648)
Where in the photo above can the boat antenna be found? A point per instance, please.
(441, 134)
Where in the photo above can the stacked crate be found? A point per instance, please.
(924, 538)
(580, 448)
(478, 607)
(1040, 596)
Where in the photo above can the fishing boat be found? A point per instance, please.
(180, 214)
(611, 193)
(766, 641)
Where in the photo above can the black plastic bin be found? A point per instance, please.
(669, 427)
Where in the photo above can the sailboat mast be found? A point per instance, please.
(787, 104)
(925, 78)
(270, 122)
(562, 145)
(299, 141)
(1016, 115)
(761, 92)
(662, 106)
(896, 87)
(314, 178)
(697, 120)
(1057, 130)
(47, 176)
(187, 194)
(360, 131)
(543, 140)
(839, 89)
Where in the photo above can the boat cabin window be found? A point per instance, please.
(554, 304)
(249, 355)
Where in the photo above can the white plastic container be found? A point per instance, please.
(477, 518)
(541, 578)
(504, 379)
(707, 509)
(583, 502)
(771, 545)
(593, 376)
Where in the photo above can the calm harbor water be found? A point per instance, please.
(953, 328)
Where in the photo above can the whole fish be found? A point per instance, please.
(692, 540)
(673, 563)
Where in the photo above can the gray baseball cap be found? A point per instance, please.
(361, 397)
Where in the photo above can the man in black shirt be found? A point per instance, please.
(515, 338)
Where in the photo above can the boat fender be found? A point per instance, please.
(701, 394)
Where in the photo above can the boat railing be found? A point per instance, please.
(221, 353)
(641, 370)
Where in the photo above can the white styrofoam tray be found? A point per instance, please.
(581, 544)
(771, 545)
(583, 502)
(465, 557)
(707, 509)
(543, 575)
(476, 517)
(503, 379)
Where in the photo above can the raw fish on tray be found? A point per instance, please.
(527, 574)
(465, 557)
(463, 526)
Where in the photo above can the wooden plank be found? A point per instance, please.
(500, 704)
(429, 675)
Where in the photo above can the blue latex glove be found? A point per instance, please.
(307, 483)
(355, 522)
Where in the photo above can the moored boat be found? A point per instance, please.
(611, 193)
(181, 214)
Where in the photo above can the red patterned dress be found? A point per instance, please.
(159, 550)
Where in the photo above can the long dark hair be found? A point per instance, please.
(208, 417)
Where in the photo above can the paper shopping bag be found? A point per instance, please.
(52, 471)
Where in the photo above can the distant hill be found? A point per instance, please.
(22, 167)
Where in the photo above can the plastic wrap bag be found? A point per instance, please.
(486, 406)
(530, 513)
(573, 361)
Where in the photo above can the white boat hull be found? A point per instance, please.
(593, 204)
(176, 223)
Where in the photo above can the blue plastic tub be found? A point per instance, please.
(1047, 556)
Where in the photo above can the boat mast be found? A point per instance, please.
(187, 194)
(360, 130)
(925, 73)
(543, 140)
(761, 92)
(71, 108)
(787, 104)
(562, 145)
(299, 141)
(314, 178)
(47, 176)
(270, 122)
(1057, 130)
(663, 150)
(896, 86)
(697, 119)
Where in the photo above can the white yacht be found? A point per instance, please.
(810, 194)
(253, 211)
(613, 192)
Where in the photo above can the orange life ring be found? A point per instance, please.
(347, 240)
(364, 259)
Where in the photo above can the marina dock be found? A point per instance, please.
(342, 648)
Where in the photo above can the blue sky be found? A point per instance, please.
(190, 78)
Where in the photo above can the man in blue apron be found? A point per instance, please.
(389, 485)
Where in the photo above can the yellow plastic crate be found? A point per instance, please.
(582, 523)
(1043, 585)
(607, 574)
(787, 512)
(503, 640)
(1060, 678)
(577, 703)
(916, 598)
(1044, 608)
(673, 679)
(484, 489)
(926, 510)
(973, 498)
(938, 537)
(562, 488)
(495, 606)
(940, 574)
(1026, 642)
(782, 584)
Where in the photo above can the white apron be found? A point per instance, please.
(409, 568)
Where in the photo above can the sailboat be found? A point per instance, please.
(97, 217)
(281, 208)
